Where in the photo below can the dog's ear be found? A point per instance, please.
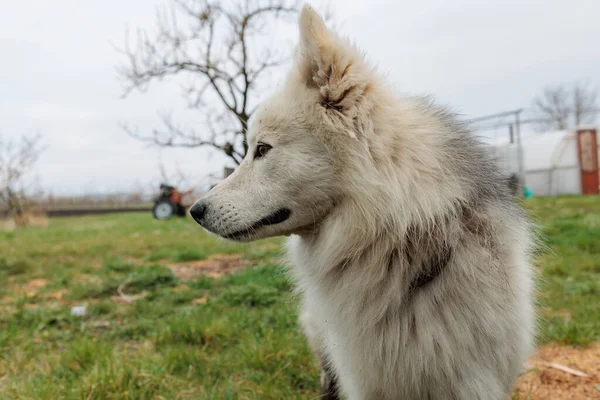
(330, 65)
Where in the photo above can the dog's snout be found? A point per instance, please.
(198, 211)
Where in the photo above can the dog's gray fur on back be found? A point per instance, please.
(407, 249)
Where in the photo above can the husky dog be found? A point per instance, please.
(407, 248)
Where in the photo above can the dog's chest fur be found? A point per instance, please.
(385, 339)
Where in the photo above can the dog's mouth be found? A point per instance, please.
(277, 217)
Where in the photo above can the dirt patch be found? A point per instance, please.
(55, 295)
(555, 372)
(200, 300)
(31, 289)
(214, 266)
(33, 286)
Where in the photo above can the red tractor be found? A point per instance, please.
(168, 202)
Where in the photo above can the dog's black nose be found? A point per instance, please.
(198, 211)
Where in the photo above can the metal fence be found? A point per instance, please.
(547, 163)
(503, 132)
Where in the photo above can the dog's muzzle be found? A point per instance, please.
(200, 209)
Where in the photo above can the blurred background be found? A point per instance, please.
(115, 112)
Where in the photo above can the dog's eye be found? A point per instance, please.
(261, 150)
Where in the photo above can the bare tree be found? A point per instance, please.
(218, 52)
(17, 158)
(585, 103)
(562, 107)
(553, 108)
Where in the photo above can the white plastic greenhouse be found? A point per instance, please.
(550, 162)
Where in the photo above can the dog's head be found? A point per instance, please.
(297, 140)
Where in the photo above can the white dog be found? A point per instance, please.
(410, 254)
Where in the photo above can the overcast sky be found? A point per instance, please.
(58, 78)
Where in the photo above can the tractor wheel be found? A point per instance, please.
(163, 209)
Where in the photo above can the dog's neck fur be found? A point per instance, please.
(420, 249)
(416, 240)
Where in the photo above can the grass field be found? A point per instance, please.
(150, 333)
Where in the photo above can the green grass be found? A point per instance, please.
(189, 255)
(569, 268)
(234, 337)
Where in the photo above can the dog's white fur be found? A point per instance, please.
(378, 185)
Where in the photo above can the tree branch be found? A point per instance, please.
(215, 50)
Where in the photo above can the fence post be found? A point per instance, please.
(520, 147)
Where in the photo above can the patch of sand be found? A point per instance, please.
(546, 382)
(214, 266)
